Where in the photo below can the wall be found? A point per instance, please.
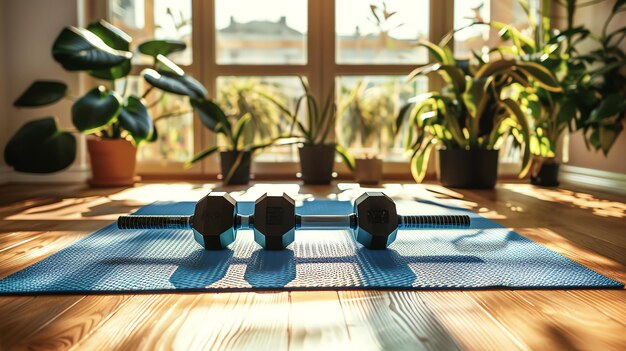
(28, 29)
(4, 120)
(594, 17)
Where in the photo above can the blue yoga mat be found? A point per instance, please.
(483, 256)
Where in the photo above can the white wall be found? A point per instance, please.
(28, 29)
(594, 18)
(4, 119)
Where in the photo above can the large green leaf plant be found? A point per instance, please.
(475, 109)
(593, 94)
(107, 111)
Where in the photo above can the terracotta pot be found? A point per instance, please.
(473, 169)
(112, 162)
(242, 174)
(316, 163)
(368, 170)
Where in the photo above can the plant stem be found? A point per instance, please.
(147, 92)
(125, 86)
(172, 114)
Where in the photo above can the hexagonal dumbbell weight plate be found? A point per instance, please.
(213, 221)
(377, 220)
(274, 221)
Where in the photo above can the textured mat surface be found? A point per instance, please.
(483, 256)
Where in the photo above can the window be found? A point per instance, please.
(261, 32)
(380, 32)
(479, 38)
(364, 49)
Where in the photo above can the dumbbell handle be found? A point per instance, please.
(154, 222)
(302, 222)
(404, 221)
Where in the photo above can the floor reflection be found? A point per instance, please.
(584, 201)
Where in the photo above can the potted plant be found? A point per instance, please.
(235, 149)
(369, 113)
(116, 121)
(317, 153)
(600, 95)
(593, 86)
(469, 118)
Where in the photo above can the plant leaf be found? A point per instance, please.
(419, 161)
(41, 93)
(155, 48)
(135, 118)
(516, 112)
(201, 155)
(239, 127)
(116, 39)
(450, 74)
(78, 49)
(167, 65)
(113, 73)
(610, 106)
(154, 136)
(438, 54)
(96, 109)
(347, 158)
(211, 115)
(401, 117)
(112, 36)
(40, 147)
(607, 136)
(493, 67)
(542, 76)
(175, 84)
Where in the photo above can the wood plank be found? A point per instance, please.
(316, 321)
(73, 324)
(31, 317)
(393, 321)
(552, 320)
(251, 321)
(32, 251)
(469, 323)
(238, 321)
(11, 304)
(11, 239)
(120, 327)
(609, 302)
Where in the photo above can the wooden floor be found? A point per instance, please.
(588, 227)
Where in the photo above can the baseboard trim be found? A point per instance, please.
(71, 175)
(594, 179)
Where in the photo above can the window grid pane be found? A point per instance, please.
(169, 19)
(381, 32)
(261, 32)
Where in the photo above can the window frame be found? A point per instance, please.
(320, 71)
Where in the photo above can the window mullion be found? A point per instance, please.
(327, 54)
(205, 12)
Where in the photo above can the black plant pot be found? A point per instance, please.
(241, 175)
(475, 169)
(547, 175)
(316, 163)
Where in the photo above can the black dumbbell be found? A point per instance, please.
(375, 221)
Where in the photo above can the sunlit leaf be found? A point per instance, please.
(96, 109)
